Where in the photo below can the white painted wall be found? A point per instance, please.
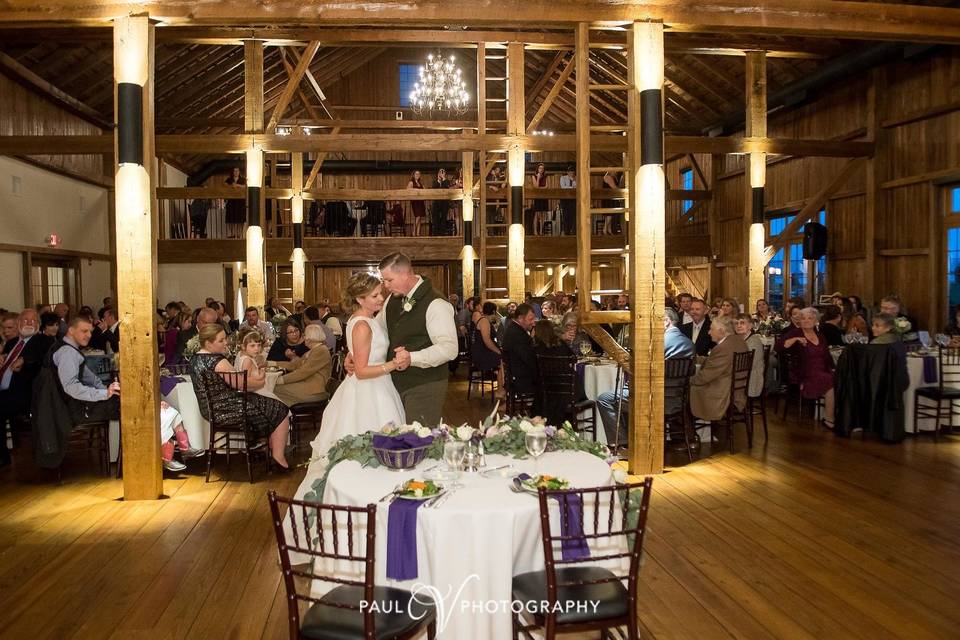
(50, 203)
(11, 280)
(190, 282)
(94, 281)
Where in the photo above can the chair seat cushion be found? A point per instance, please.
(936, 392)
(394, 614)
(610, 597)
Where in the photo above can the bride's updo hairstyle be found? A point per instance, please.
(358, 286)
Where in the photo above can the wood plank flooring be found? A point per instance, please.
(805, 536)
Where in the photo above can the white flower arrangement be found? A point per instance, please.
(464, 433)
(526, 426)
(619, 476)
(902, 325)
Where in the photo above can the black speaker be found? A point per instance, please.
(814, 241)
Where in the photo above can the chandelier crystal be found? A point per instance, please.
(441, 88)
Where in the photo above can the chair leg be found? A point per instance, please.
(210, 454)
(936, 422)
(432, 630)
(763, 414)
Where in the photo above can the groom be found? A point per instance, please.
(423, 335)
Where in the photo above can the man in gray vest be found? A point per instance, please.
(423, 335)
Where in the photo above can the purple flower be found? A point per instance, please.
(550, 431)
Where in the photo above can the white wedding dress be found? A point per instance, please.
(358, 405)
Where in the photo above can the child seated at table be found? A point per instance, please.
(248, 357)
(171, 429)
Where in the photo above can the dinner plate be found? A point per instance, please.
(422, 498)
(532, 488)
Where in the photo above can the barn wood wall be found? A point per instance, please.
(909, 216)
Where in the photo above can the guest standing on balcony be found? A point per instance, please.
(419, 209)
(568, 206)
(541, 206)
(441, 208)
(236, 208)
(612, 222)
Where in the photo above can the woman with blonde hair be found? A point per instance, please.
(366, 400)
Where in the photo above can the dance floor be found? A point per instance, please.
(805, 536)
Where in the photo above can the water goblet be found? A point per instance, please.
(453, 454)
(536, 443)
(585, 348)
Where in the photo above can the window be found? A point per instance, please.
(686, 182)
(787, 271)
(953, 247)
(955, 200)
(409, 75)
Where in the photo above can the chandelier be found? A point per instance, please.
(441, 88)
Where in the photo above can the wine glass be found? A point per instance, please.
(943, 340)
(453, 454)
(585, 348)
(536, 442)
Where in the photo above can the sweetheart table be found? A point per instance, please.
(471, 545)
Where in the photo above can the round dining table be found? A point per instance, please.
(470, 545)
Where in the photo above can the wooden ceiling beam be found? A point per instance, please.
(823, 18)
(221, 144)
(292, 83)
(551, 95)
(24, 76)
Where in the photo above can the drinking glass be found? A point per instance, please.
(943, 340)
(536, 442)
(453, 453)
(585, 348)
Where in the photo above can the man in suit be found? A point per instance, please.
(675, 345)
(518, 347)
(699, 330)
(19, 365)
(107, 332)
(710, 387)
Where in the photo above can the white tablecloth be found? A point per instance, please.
(471, 546)
(915, 369)
(597, 379)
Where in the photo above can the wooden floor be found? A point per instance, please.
(806, 536)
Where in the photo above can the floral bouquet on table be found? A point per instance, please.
(903, 327)
(772, 326)
(277, 322)
(191, 348)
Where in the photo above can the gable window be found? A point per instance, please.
(409, 75)
(952, 220)
(686, 183)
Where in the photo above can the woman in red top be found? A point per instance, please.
(815, 373)
(419, 210)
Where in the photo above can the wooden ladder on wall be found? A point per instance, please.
(492, 96)
(601, 89)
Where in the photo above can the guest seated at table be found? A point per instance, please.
(764, 311)
(546, 342)
(882, 328)
(19, 365)
(274, 308)
(788, 309)
(265, 416)
(307, 381)
(953, 327)
(815, 371)
(171, 338)
(173, 436)
(729, 307)
(830, 326)
(288, 347)
(250, 358)
(518, 347)
(548, 309)
(574, 337)
(170, 313)
(204, 316)
(853, 322)
(675, 345)
(251, 318)
(699, 330)
(106, 336)
(9, 327)
(49, 324)
(312, 316)
(743, 326)
(892, 306)
(330, 319)
(710, 386)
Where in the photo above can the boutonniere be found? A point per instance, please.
(409, 304)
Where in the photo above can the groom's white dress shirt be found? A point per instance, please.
(440, 327)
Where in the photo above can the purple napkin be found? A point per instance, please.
(929, 369)
(574, 546)
(581, 370)
(408, 440)
(402, 539)
(167, 383)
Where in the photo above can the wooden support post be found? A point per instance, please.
(296, 217)
(467, 206)
(136, 236)
(584, 219)
(516, 126)
(756, 175)
(647, 245)
(253, 123)
(482, 157)
(874, 177)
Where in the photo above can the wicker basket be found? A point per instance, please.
(401, 459)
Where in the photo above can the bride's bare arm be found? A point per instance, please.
(362, 337)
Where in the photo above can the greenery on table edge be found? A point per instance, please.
(504, 436)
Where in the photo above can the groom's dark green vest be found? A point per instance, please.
(409, 329)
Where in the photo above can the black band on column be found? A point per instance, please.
(756, 208)
(516, 205)
(467, 232)
(130, 123)
(651, 127)
(253, 206)
(298, 235)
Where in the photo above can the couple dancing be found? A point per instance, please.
(400, 336)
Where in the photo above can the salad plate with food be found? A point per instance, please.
(532, 483)
(416, 489)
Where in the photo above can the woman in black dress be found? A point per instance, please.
(289, 345)
(541, 206)
(441, 208)
(266, 417)
(236, 209)
(484, 351)
(419, 209)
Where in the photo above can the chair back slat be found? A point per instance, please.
(624, 500)
(558, 381)
(740, 377)
(949, 366)
(182, 369)
(319, 521)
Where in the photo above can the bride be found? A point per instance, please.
(366, 400)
